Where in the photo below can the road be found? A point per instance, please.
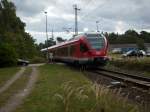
(16, 99)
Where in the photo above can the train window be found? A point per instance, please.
(96, 42)
(72, 49)
(83, 47)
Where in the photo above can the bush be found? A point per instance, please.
(38, 60)
(7, 55)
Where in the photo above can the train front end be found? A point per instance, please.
(97, 45)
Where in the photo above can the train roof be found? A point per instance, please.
(89, 33)
(61, 44)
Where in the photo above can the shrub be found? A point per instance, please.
(38, 59)
(7, 55)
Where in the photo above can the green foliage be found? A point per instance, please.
(140, 44)
(60, 39)
(38, 59)
(48, 43)
(7, 55)
(129, 36)
(12, 31)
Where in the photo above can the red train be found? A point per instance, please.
(84, 49)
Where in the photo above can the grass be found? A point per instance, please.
(139, 64)
(60, 89)
(7, 73)
(15, 87)
(114, 55)
(130, 64)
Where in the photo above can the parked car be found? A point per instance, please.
(22, 62)
(134, 53)
(141, 53)
(116, 51)
(148, 54)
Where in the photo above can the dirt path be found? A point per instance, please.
(12, 80)
(17, 99)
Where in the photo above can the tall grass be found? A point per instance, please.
(100, 98)
(140, 64)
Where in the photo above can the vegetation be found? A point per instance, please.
(14, 41)
(8, 56)
(60, 39)
(6, 74)
(38, 59)
(130, 36)
(66, 90)
(138, 64)
(48, 43)
(15, 87)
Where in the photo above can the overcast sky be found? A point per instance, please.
(113, 15)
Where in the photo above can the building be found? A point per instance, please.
(127, 47)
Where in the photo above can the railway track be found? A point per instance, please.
(130, 79)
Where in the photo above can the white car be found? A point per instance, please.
(142, 52)
(134, 53)
(22, 62)
(116, 50)
(148, 54)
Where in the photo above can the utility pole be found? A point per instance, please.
(76, 18)
(97, 26)
(46, 36)
(52, 34)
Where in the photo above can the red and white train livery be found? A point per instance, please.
(84, 49)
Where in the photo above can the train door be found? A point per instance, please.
(84, 50)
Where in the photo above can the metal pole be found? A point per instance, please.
(46, 37)
(76, 24)
(76, 19)
(97, 26)
(52, 34)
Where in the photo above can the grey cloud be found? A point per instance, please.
(32, 7)
(133, 13)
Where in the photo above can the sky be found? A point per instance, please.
(113, 16)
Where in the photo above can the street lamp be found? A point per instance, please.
(46, 36)
(97, 26)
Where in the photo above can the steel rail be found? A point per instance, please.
(143, 82)
(127, 74)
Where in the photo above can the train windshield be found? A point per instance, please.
(96, 41)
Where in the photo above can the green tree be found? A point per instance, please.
(48, 43)
(7, 55)
(145, 36)
(130, 36)
(12, 32)
(140, 44)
